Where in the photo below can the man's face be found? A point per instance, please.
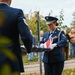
(41, 33)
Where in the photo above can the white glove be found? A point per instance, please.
(41, 45)
(52, 46)
(44, 45)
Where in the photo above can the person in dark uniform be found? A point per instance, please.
(54, 58)
(12, 24)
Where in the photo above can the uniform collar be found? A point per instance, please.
(53, 31)
(4, 3)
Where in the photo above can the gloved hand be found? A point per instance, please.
(41, 45)
(52, 46)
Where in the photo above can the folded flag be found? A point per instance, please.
(48, 43)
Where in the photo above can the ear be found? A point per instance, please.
(9, 2)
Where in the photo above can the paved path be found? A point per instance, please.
(35, 67)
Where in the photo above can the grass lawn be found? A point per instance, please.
(69, 72)
(26, 61)
(65, 72)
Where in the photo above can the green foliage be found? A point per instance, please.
(50, 13)
(73, 22)
(69, 72)
(6, 70)
(32, 22)
(26, 61)
(68, 30)
(32, 18)
(43, 26)
(61, 19)
(4, 42)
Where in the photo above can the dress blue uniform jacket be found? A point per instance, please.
(13, 25)
(56, 55)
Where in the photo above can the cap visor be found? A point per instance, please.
(49, 22)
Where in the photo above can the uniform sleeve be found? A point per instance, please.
(24, 31)
(63, 40)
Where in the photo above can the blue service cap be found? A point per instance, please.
(50, 19)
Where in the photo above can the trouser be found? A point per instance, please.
(72, 50)
(42, 54)
(30, 56)
(65, 51)
(54, 68)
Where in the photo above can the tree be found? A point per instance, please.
(31, 20)
(73, 22)
(61, 19)
(50, 13)
(43, 26)
(66, 28)
(32, 17)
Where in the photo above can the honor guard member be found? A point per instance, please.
(53, 59)
(14, 23)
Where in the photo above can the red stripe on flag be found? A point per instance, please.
(48, 43)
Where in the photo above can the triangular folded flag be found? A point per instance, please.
(48, 43)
